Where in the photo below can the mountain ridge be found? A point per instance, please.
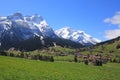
(77, 36)
(16, 27)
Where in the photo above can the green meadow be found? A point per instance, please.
(23, 69)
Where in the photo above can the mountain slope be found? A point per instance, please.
(26, 32)
(109, 47)
(77, 36)
(26, 24)
(16, 27)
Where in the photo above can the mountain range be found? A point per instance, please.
(17, 29)
(77, 36)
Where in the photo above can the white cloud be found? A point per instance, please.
(114, 20)
(110, 34)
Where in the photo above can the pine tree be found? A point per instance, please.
(75, 59)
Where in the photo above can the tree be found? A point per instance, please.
(118, 46)
(86, 61)
(75, 59)
(52, 59)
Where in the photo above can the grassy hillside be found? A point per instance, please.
(23, 69)
(111, 47)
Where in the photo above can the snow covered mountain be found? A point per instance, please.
(16, 28)
(24, 27)
(77, 36)
(20, 30)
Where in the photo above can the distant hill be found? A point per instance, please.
(107, 47)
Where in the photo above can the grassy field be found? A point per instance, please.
(23, 69)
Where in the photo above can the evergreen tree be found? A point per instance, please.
(75, 59)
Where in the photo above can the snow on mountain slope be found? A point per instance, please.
(45, 29)
(24, 27)
(16, 27)
(77, 36)
(41, 24)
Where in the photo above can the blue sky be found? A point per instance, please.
(99, 18)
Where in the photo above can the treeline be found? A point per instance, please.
(35, 43)
(28, 56)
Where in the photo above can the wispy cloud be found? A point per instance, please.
(110, 34)
(115, 20)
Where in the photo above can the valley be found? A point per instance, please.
(31, 50)
(23, 69)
